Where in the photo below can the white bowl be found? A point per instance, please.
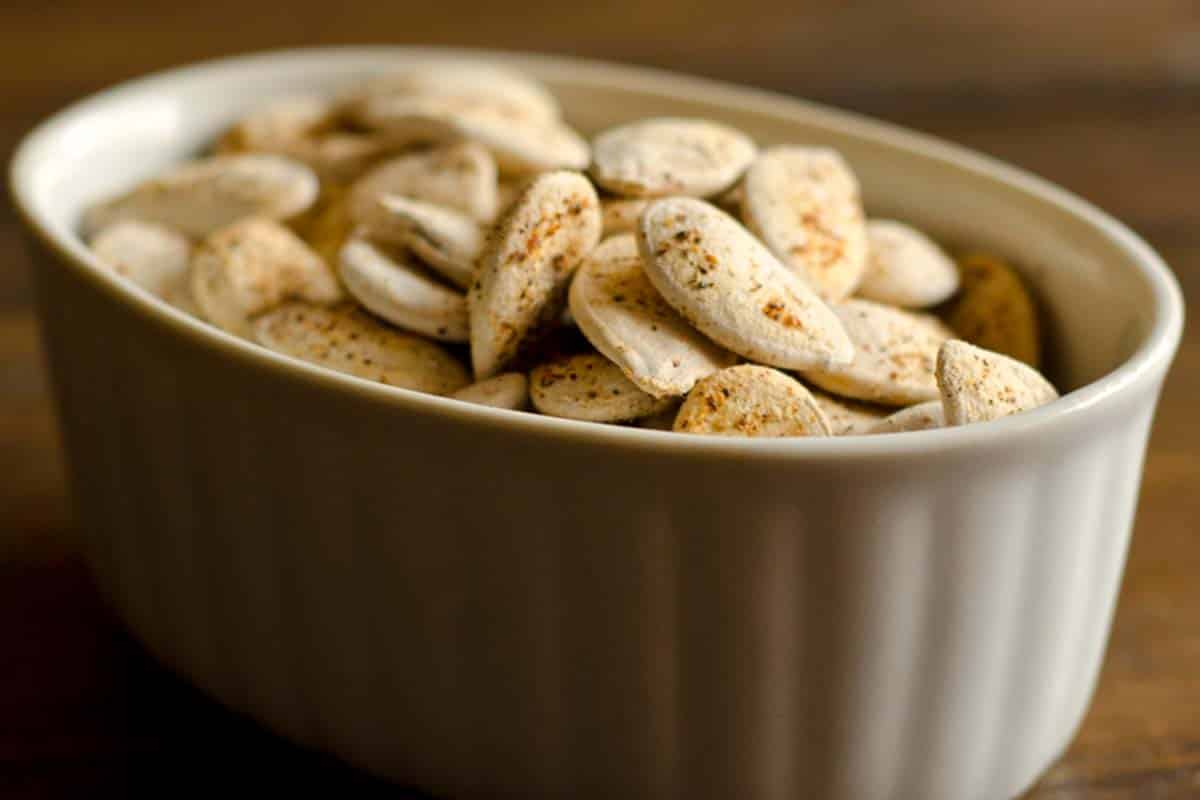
(493, 604)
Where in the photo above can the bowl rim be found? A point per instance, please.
(1144, 366)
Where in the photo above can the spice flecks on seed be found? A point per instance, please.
(395, 186)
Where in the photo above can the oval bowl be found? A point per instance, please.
(488, 603)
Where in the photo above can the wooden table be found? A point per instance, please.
(1105, 101)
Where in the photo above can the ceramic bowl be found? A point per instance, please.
(487, 603)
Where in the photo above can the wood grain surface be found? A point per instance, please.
(1103, 98)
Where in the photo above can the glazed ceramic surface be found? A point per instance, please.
(486, 603)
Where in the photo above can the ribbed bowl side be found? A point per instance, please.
(487, 615)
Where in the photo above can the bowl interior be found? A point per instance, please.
(1100, 303)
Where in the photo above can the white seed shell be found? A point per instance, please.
(460, 79)
(751, 400)
(529, 147)
(402, 293)
(847, 417)
(345, 339)
(446, 240)
(509, 390)
(277, 125)
(202, 196)
(670, 156)
(252, 266)
(152, 256)
(592, 388)
(304, 128)
(905, 267)
(342, 156)
(460, 177)
(895, 352)
(519, 143)
(804, 204)
(921, 417)
(626, 319)
(529, 260)
(979, 385)
(728, 285)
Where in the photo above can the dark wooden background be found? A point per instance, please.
(1101, 97)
